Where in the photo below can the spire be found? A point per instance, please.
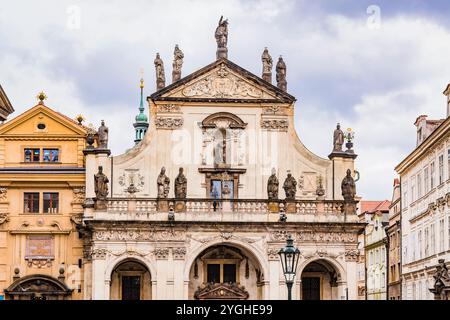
(141, 124)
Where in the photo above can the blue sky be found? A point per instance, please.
(374, 73)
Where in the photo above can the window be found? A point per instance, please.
(433, 239)
(51, 200)
(441, 168)
(229, 273)
(432, 175)
(419, 185)
(213, 273)
(448, 226)
(221, 272)
(448, 164)
(31, 202)
(427, 242)
(51, 155)
(413, 245)
(413, 189)
(441, 235)
(32, 155)
(426, 179)
(420, 244)
(405, 195)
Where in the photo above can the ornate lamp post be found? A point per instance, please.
(289, 259)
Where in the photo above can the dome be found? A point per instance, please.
(141, 117)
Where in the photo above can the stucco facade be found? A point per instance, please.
(41, 197)
(425, 215)
(227, 129)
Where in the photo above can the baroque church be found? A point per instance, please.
(217, 181)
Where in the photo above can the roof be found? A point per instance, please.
(425, 146)
(374, 206)
(280, 94)
(5, 105)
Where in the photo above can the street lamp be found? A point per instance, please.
(289, 260)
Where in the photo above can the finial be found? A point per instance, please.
(41, 96)
(80, 118)
(141, 73)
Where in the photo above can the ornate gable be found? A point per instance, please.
(54, 123)
(221, 291)
(222, 81)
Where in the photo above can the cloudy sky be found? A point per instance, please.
(373, 66)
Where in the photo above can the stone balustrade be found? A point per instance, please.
(144, 209)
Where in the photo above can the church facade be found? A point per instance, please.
(201, 205)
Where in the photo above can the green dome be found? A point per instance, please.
(141, 117)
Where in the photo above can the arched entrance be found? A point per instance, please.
(38, 287)
(319, 281)
(130, 280)
(225, 272)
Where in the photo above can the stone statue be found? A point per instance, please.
(267, 63)
(163, 182)
(221, 36)
(272, 186)
(103, 136)
(290, 187)
(441, 276)
(338, 139)
(160, 75)
(177, 64)
(281, 74)
(101, 185)
(180, 185)
(348, 187)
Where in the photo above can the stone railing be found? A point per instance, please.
(146, 209)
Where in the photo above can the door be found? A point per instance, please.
(131, 287)
(311, 288)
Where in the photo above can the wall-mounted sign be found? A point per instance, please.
(40, 248)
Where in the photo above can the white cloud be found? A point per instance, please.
(375, 81)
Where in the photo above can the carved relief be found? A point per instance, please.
(77, 219)
(272, 254)
(274, 110)
(352, 255)
(132, 181)
(139, 235)
(3, 194)
(275, 124)
(179, 253)
(79, 195)
(223, 84)
(168, 108)
(313, 236)
(99, 253)
(161, 253)
(3, 218)
(168, 123)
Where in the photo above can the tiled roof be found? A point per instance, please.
(373, 206)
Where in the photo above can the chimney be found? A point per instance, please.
(447, 94)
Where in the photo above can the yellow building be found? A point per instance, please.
(42, 183)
